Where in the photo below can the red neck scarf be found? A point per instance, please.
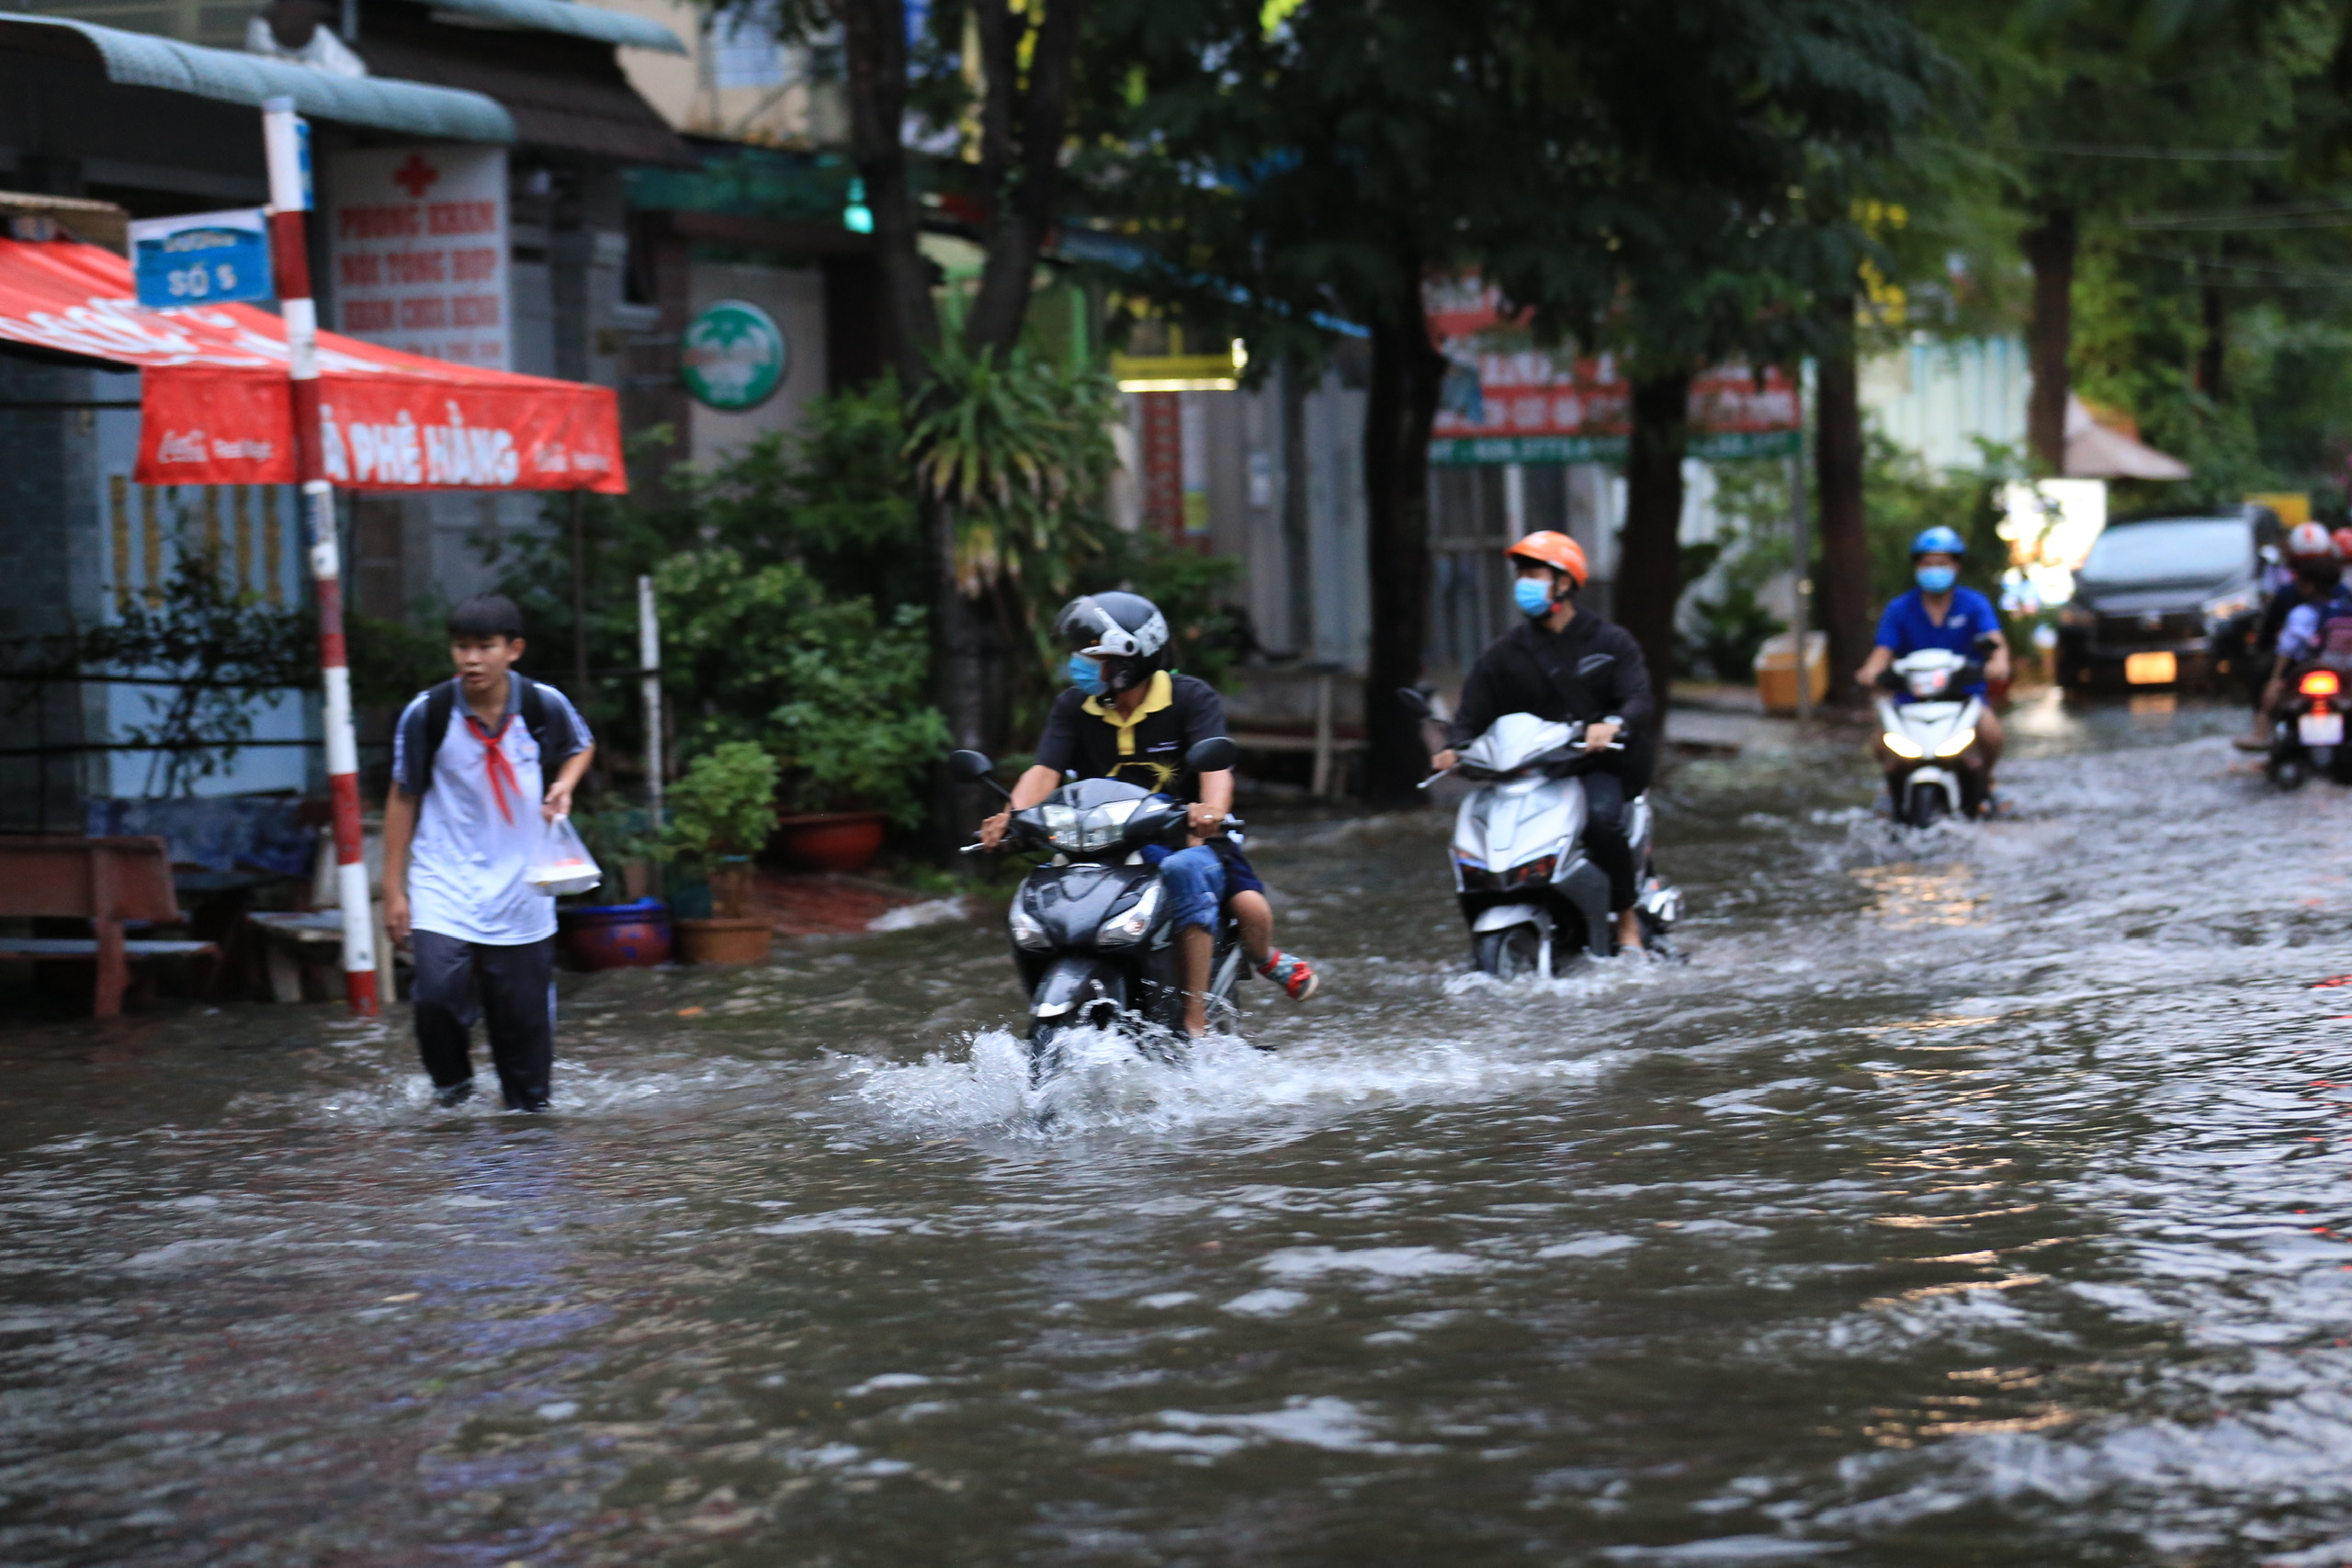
(501, 771)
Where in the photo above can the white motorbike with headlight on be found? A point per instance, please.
(1093, 936)
(1936, 770)
(1535, 903)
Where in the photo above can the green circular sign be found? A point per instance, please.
(733, 356)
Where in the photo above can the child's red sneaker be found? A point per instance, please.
(1294, 974)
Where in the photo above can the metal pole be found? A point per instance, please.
(1801, 540)
(287, 140)
(648, 663)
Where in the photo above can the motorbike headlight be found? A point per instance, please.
(1903, 745)
(1027, 930)
(1061, 826)
(1958, 743)
(1129, 924)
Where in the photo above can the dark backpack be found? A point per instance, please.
(441, 708)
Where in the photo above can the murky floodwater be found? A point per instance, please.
(1967, 1199)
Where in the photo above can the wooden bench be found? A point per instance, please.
(102, 880)
(1326, 748)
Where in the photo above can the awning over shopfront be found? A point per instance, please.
(215, 407)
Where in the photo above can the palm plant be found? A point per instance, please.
(1018, 451)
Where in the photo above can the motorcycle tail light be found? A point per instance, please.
(2320, 683)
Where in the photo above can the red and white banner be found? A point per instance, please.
(419, 240)
(1507, 401)
(216, 409)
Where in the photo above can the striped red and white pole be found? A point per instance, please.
(287, 142)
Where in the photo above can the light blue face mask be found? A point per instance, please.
(1086, 674)
(1533, 594)
(1937, 579)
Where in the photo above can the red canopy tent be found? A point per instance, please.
(215, 405)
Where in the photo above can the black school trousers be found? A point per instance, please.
(1608, 789)
(511, 988)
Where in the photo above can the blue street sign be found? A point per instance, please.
(204, 258)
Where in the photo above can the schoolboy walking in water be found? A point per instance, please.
(468, 802)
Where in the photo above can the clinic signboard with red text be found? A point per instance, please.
(420, 247)
(1507, 399)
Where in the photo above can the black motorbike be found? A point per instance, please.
(2307, 729)
(1092, 934)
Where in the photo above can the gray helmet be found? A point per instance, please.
(1113, 626)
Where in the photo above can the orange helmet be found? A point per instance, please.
(2308, 541)
(1553, 550)
(2343, 538)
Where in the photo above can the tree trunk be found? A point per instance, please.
(1837, 476)
(1407, 372)
(1649, 565)
(1022, 128)
(2049, 249)
(875, 39)
(2212, 351)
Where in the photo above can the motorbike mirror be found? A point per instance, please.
(1417, 703)
(971, 767)
(1214, 755)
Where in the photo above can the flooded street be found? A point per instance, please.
(1968, 1198)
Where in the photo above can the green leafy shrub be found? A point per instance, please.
(832, 689)
(724, 805)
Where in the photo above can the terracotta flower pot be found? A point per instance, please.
(830, 841)
(741, 941)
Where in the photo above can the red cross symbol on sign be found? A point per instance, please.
(416, 176)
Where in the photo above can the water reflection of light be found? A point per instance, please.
(1908, 896)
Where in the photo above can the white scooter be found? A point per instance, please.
(1535, 903)
(1936, 771)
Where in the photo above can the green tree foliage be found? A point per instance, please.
(832, 687)
(218, 651)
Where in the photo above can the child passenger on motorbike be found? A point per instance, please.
(1940, 613)
(1566, 664)
(1128, 715)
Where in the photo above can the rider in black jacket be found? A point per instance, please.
(1564, 664)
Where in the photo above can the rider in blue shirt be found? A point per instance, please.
(1942, 614)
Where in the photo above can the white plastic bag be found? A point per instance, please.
(561, 864)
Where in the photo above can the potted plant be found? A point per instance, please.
(721, 815)
(858, 737)
(835, 689)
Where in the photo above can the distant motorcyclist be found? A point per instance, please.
(1128, 715)
(1938, 613)
(2313, 561)
(1563, 664)
(2318, 627)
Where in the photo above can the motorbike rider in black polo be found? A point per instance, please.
(1566, 664)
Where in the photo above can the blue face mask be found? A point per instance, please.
(1086, 674)
(1937, 579)
(1533, 594)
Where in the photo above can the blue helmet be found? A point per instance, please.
(1937, 540)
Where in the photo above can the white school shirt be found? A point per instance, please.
(466, 864)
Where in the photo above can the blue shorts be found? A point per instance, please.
(1200, 879)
